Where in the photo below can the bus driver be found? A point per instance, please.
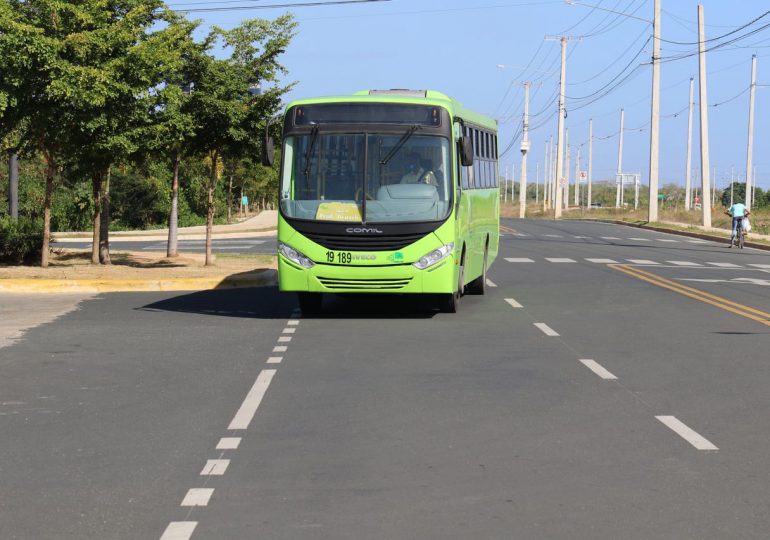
(416, 174)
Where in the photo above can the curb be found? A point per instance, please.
(691, 234)
(256, 279)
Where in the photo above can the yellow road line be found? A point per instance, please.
(716, 301)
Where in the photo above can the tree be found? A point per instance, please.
(228, 116)
(171, 125)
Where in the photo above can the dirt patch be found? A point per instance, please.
(76, 264)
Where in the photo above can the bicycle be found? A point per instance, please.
(739, 234)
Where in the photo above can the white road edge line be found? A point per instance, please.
(547, 330)
(597, 368)
(179, 530)
(689, 435)
(249, 407)
(197, 497)
(513, 303)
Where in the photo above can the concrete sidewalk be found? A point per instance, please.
(263, 224)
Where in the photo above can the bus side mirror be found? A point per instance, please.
(466, 151)
(268, 151)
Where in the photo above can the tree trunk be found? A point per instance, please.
(104, 224)
(173, 219)
(50, 171)
(230, 200)
(96, 185)
(210, 213)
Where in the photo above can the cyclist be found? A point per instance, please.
(738, 212)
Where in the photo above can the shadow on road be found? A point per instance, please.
(270, 303)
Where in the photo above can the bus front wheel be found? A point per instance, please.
(479, 285)
(310, 303)
(452, 301)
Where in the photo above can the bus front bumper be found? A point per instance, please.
(402, 278)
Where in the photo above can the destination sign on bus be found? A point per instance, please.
(367, 113)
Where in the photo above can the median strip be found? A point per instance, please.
(696, 294)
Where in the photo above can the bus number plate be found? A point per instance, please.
(339, 257)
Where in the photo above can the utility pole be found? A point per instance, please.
(652, 214)
(619, 181)
(577, 178)
(590, 159)
(636, 192)
(565, 189)
(524, 152)
(704, 123)
(537, 183)
(750, 147)
(505, 186)
(546, 178)
(13, 184)
(714, 188)
(688, 172)
(559, 175)
(732, 184)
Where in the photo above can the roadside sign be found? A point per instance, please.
(583, 176)
(245, 200)
(562, 182)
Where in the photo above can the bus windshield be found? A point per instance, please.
(366, 177)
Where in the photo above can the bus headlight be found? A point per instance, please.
(434, 256)
(295, 256)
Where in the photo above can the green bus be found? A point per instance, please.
(386, 191)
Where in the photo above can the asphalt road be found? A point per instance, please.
(261, 245)
(612, 384)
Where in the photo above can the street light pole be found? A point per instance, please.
(750, 146)
(688, 172)
(590, 159)
(524, 152)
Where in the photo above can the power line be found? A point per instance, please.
(273, 6)
(717, 38)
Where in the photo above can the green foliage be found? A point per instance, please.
(20, 241)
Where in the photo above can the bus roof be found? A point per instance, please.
(417, 97)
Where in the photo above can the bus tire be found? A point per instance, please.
(310, 303)
(451, 302)
(479, 285)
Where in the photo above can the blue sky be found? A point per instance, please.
(455, 47)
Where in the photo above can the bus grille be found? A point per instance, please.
(364, 284)
(346, 242)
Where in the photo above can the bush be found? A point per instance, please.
(20, 242)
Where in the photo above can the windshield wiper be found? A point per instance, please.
(400, 143)
(311, 148)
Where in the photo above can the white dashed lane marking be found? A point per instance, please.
(513, 303)
(609, 238)
(289, 330)
(490, 283)
(229, 443)
(684, 263)
(275, 360)
(766, 266)
(547, 330)
(197, 497)
(642, 261)
(687, 433)
(667, 240)
(280, 348)
(215, 467)
(598, 369)
(284, 339)
(293, 322)
(179, 530)
(519, 260)
(249, 407)
(602, 261)
(724, 264)
(641, 239)
(560, 260)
